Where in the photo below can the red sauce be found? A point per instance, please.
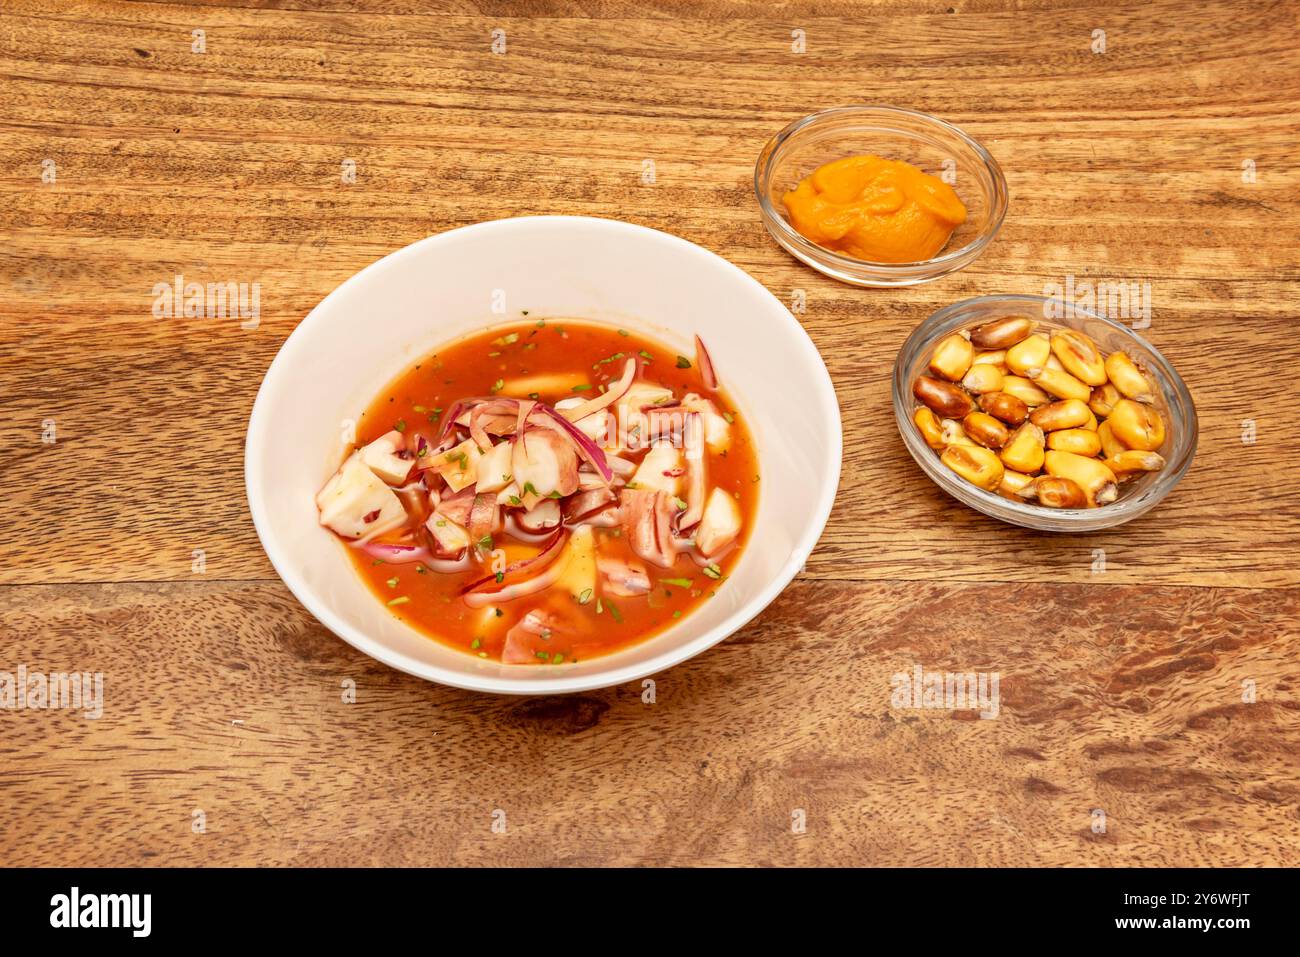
(500, 361)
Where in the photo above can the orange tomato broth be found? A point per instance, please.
(485, 363)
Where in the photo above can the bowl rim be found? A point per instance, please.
(773, 219)
(826, 402)
(1023, 514)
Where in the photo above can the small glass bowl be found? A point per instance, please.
(924, 141)
(1136, 496)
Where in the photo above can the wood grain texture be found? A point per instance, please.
(226, 698)
(1121, 691)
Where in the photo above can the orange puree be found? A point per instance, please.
(875, 209)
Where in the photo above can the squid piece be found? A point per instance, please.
(458, 466)
(647, 515)
(493, 471)
(545, 465)
(717, 430)
(661, 469)
(449, 539)
(544, 518)
(588, 503)
(625, 579)
(697, 476)
(357, 504)
(531, 639)
(720, 525)
(388, 458)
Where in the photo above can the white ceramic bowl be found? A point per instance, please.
(401, 308)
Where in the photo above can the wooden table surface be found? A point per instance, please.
(1167, 159)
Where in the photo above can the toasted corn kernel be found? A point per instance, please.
(1012, 482)
(1138, 426)
(1059, 492)
(1064, 414)
(1103, 399)
(1097, 481)
(1110, 446)
(986, 430)
(976, 465)
(944, 398)
(1025, 391)
(1132, 461)
(1080, 356)
(1091, 424)
(1002, 333)
(1078, 441)
(952, 357)
(1062, 385)
(1129, 378)
(1027, 358)
(1004, 406)
(997, 358)
(954, 434)
(1054, 363)
(982, 378)
(1024, 450)
(927, 423)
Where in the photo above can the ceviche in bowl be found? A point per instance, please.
(542, 492)
(542, 455)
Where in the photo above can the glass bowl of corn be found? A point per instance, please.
(1043, 414)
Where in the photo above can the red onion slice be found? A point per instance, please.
(543, 558)
(707, 374)
(588, 449)
(500, 408)
(615, 392)
(422, 450)
(620, 466)
(522, 589)
(396, 554)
